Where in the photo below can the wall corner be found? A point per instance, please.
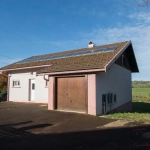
(92, 94)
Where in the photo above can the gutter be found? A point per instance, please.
(72, 72)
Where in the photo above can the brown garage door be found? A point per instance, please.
(71, 94)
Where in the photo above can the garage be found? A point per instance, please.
(71, 93)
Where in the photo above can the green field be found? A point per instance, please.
(141, 94)
(140, 106)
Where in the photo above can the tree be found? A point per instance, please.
(3, 81)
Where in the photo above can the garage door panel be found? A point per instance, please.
(71, 94)
(76, 94)
(62, 93)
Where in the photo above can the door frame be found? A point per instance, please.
(29, 91)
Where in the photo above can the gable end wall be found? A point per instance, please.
(117, 80)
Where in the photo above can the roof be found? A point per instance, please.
(98, 57)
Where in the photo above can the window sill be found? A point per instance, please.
(16, 87)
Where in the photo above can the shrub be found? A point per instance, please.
(3, 95)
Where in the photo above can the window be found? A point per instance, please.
(123, 60)
(33, 86)
(109, 98)
(103, 103)
(104, 97)
(115, 98)
(16, 83)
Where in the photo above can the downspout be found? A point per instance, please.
(44, 77)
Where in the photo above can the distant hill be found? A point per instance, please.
(140, 84)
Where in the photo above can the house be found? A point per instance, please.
(94, 80)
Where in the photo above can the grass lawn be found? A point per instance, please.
(140, 107)
(141, 94)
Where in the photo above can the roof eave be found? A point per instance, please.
(25, 68)
(72, 72)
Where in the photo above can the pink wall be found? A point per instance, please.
(51, 93)
(92, 94)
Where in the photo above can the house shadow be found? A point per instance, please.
(10, 130)
(98, 139)
(141, 107)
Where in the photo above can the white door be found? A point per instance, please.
(32, 90)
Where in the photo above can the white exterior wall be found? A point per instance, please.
(21, 93)
(117, 80)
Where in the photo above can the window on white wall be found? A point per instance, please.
(16, 83)
(109, 98)
(115, 98)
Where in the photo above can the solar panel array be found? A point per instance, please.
(69, 55)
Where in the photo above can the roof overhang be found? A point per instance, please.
(25, 68)
(131, 56)
(73, 72)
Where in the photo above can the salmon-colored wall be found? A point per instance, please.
(92, 94)
(51, 93)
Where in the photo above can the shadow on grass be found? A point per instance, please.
(105, 139)
(140, 107)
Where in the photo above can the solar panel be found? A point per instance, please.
(110, 48)
(69, 55)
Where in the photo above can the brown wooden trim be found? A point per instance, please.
(54, 94)
(86, 91)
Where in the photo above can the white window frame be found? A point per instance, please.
(16, 83)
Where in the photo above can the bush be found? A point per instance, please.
(3, 95)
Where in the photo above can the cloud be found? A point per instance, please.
(141, 16)
(137, 31)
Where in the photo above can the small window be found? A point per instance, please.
(123, 60)
(33, 86)
(115, 98)
(109, 98)
(16, 83)
(103, 97)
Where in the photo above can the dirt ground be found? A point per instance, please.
(32, 126)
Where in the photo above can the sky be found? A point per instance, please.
(35, 27)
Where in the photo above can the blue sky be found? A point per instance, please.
(34, 27)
